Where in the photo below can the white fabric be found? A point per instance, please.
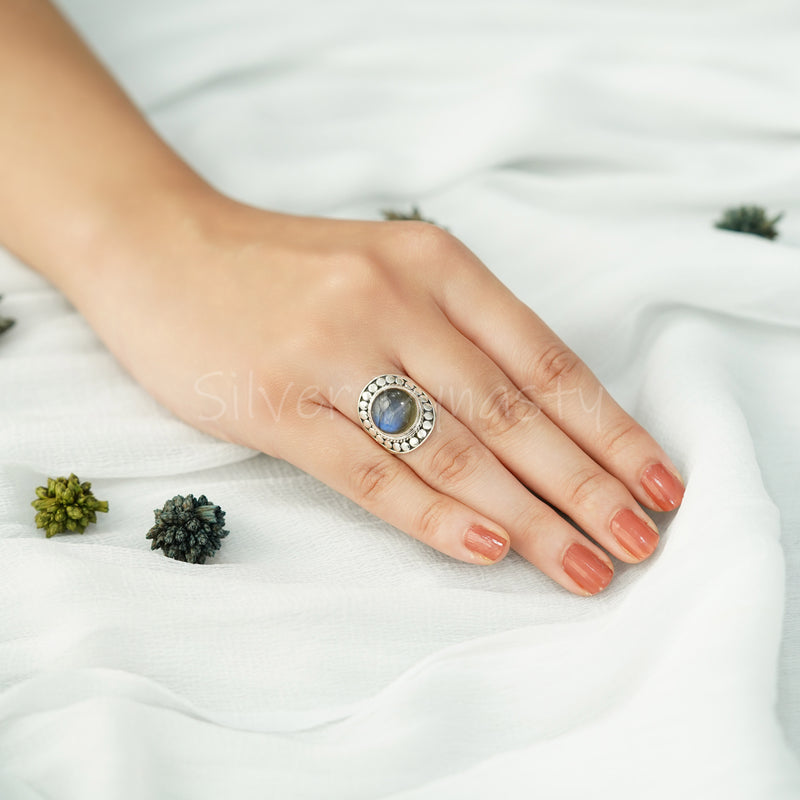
(583, 150)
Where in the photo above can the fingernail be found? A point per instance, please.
(664, 488)
(487, 544)
(634, 534)
(586, 569)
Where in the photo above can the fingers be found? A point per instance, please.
(512, 427)
(454, 463)
(547, 425)
(565, 389)
(338, 452)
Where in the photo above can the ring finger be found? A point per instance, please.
(457, 464)
(532, 447)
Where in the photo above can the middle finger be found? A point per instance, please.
(456, 463)
(530, 445)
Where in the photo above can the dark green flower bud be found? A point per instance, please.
(188, 529)
(5, 322)
(749, 219)
(415, 215)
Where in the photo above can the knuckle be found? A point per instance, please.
(423, 242)
(585, 484)
(354, 280)
(454, 461)
(532, 524)
(370, 482)
(423, 235)
(505, 410)
(620, 437)
(429, 521)
(349, 276)
(553, 366)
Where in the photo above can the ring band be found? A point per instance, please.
(396, 412)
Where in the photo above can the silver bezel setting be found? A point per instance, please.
(422, 426)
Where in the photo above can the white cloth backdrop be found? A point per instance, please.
(583, 150)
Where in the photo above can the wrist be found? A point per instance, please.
(97, 251)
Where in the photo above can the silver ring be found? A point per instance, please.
(396, 412)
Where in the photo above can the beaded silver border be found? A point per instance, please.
(418, 433)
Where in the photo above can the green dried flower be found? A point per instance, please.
(414, 214)
(187, 529)
(749, 219)
(66, 504)
(5, 322)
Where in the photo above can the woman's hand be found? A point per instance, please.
(206, 300)
(264, 328)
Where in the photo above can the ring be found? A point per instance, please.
(396, 412)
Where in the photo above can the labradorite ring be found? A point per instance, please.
(396, 412)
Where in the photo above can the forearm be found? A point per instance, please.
(79, 165)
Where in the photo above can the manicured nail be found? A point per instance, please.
(634, 534)
(586, 569)
(487, 544)
(664, 488)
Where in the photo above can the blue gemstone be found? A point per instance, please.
(394, 411)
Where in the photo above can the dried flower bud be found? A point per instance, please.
(187, 529)
(66, 504)
(749, 219)
(5, 322)
(414, 214)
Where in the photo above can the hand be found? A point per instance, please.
(264, 328)
(193, 291)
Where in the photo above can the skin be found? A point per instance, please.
(200, 297)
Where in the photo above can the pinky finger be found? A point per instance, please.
(380, 482)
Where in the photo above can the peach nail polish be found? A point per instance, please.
(664, 488)
(485, 543)
(586, 569)
(634, 534)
